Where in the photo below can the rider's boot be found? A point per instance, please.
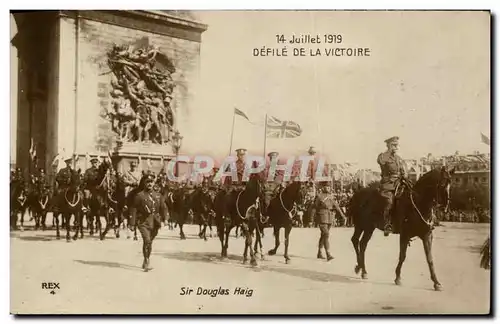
(387, 220)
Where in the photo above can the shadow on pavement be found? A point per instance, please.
(109, 264)
(214, 258)
(36, 238)
(177, 238)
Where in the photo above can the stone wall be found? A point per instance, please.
(84, 46)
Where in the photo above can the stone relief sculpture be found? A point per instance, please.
(141, 94)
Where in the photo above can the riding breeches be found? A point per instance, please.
(148, 235)
(324, 237)
(388, 203)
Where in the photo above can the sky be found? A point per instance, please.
(427, 81)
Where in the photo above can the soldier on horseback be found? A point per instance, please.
(90, 179)
(63, 177)
(392, 169)
(132, 177)
(240, 168)
(41, 179)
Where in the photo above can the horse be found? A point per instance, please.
(18, 203)
(96, 202)
(70, 203)
(243, 208)
(202, 206)
(114, 204)
(40, 205)
(413, 211)
(178, 206)
(282, 211)
(485, 262)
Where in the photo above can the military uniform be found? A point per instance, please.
(132, 180)
(392, 168)
(148, 211)
(90, 179)
(63, 179)
(322, 210)
(42, 181)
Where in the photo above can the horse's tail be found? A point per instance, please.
(486, 255)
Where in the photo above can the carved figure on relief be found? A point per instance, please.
(142, 88)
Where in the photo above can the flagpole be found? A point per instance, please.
(265, 137)
(232, 132)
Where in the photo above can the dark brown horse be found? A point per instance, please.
(70, 203)
(178, 205)
(18, 203)
(240, 208)
(413, 209)
(114, 203)
(97, 201)
(40, 205)
(282, 211)
(202, 206)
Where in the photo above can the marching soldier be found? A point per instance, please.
(322, 210)
(149, 212)
(392, 168)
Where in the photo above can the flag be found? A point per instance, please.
(32, 150)
(241, 113)
(485, 139)
(277, 128)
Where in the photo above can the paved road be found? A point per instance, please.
(105, 276)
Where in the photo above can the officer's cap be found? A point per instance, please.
(311, 150)
(241, 151)
(134, 163)
(94, 158)
(69, 158)
(273, 154)
(149, 177)
(392, 140)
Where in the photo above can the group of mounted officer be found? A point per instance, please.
(147, 208)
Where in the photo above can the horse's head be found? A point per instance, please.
(75, 180)
(254, 186)
(436, 183)
(295, 191)
(44, 191)
(444, 185)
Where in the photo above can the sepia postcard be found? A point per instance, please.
(250, 162)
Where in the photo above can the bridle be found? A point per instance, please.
(75, 200)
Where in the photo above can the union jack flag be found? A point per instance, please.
(277, 128)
